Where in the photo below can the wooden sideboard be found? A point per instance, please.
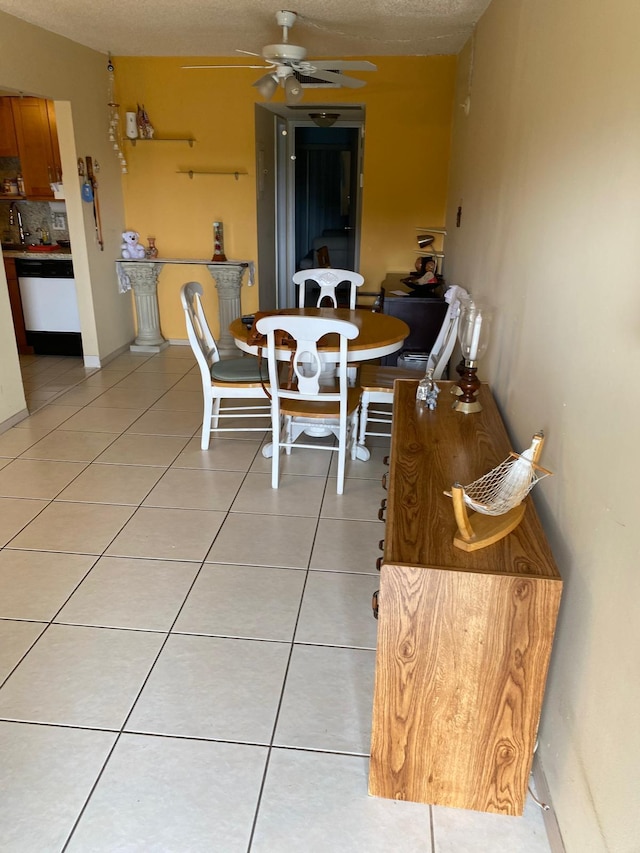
(464, 639)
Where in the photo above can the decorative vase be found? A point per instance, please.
(218, 242)
(151, 251)
(132, 125)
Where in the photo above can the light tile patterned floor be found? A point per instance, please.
(186, 655)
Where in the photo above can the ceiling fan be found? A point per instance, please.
(287, 62)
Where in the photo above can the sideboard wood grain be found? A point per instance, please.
(464, 639)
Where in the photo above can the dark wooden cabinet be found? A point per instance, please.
(16, 306)
(464, 639)
(423, 314)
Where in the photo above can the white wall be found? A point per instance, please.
(36, 62)
(546, 168)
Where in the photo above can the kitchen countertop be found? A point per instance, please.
(55, 255)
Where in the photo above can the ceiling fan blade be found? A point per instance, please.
(344, 65)
(206, 67)
(247, 52)
(330, 77)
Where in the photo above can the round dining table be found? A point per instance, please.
(379, 335)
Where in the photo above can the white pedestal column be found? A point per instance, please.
(144, 283)
(228, 279)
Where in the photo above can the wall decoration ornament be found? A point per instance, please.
(115, 129)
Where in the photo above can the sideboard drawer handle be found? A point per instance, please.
(374, 603)
(381, 514)
(379, 562)
(381, 544)
(385, 461)
(384, 481)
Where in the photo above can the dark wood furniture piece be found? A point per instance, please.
(464, 639)
(423, 314)
(16, 306)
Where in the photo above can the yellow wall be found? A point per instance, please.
(408, 126)
(547, 168)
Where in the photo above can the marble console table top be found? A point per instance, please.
(124, 283)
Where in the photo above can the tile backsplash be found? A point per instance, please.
(36, 216)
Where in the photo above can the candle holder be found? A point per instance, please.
(473, 332)
(218, 242)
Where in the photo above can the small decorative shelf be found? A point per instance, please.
(191, 172)
(187, 139)
(429, 251)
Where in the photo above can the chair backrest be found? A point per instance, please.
(200, 337)
(307, 361)
(445, 342)
(328, 280)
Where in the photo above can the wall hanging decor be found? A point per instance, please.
(115, 130)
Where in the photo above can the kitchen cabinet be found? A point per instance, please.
(464, 638)
(8, 141)
(34, 120)
(16, 306)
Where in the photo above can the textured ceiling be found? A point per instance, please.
(327, 28)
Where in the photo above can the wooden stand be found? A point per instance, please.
(476, 530)
(486, 529)
(464, 639)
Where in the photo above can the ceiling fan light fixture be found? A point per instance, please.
(267, 86)
(324, 119)
(292, 90)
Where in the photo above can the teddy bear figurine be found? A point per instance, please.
(131, 249)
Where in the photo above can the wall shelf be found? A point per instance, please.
(430, 251)
(191, 172)
(187, 139)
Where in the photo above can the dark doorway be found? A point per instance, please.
(326, 194)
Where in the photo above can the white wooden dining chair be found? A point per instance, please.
(300, 401)
(377, 382)
(327, 280)
(229, 378)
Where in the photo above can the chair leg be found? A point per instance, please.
(342, 454)
(353, 434)
(276, 428)
(214, 415)
(206, 423)
(288, 434)
(364, 409)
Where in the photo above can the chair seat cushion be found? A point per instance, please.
(319, 409)
(239, 370)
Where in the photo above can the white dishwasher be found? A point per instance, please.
(49, 305)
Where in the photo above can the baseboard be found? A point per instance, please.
(549, 816)
(13, 420)
(97, 362)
